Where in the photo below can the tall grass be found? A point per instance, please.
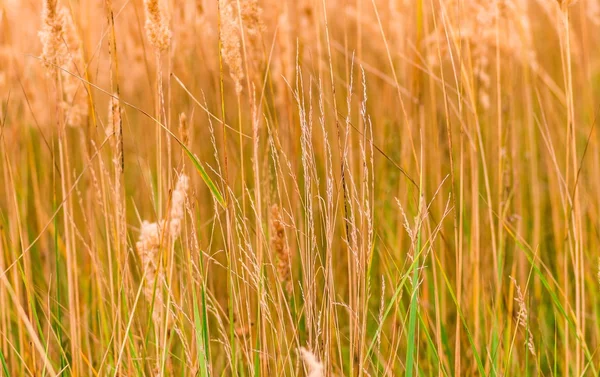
(299, 188)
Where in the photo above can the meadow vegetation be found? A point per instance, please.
(299, 188)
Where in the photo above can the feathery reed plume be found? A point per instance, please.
(183, 129)
(307, 20)
(251, 17)
(522, 316)
(184, 136)
(52, 34)
(75, 101)
(149, 244)
(115, 132)
(230, 44)
(157, 25)
(281, 249)
(62, 48)
(177, 212)
(148, 248)
(253, 26)
(283, 60)
(114, 116)
(315, 368)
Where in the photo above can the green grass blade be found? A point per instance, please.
(211, 185)
(4, 366)
(412, 321)
(199, 324)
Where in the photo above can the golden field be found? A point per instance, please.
(299, 188)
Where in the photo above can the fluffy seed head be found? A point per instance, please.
(251, 17)
(75, 101)
(149, 244)
(177, 213)
(114, 130)
(52, 35)
(157, 26)
(315, 368)
(279, 246)
(114, 115)
(183, 129)
(62, 48)
(230, 44)
(148, 247)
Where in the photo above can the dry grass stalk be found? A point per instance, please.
(513, 36)
(522, 317)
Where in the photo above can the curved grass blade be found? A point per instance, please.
(211, 185)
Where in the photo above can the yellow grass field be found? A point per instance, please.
(320, 188)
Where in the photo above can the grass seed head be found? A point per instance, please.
(51, 35)
(230, 43)
(279, 246)
(157, 25)
(314, 367)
